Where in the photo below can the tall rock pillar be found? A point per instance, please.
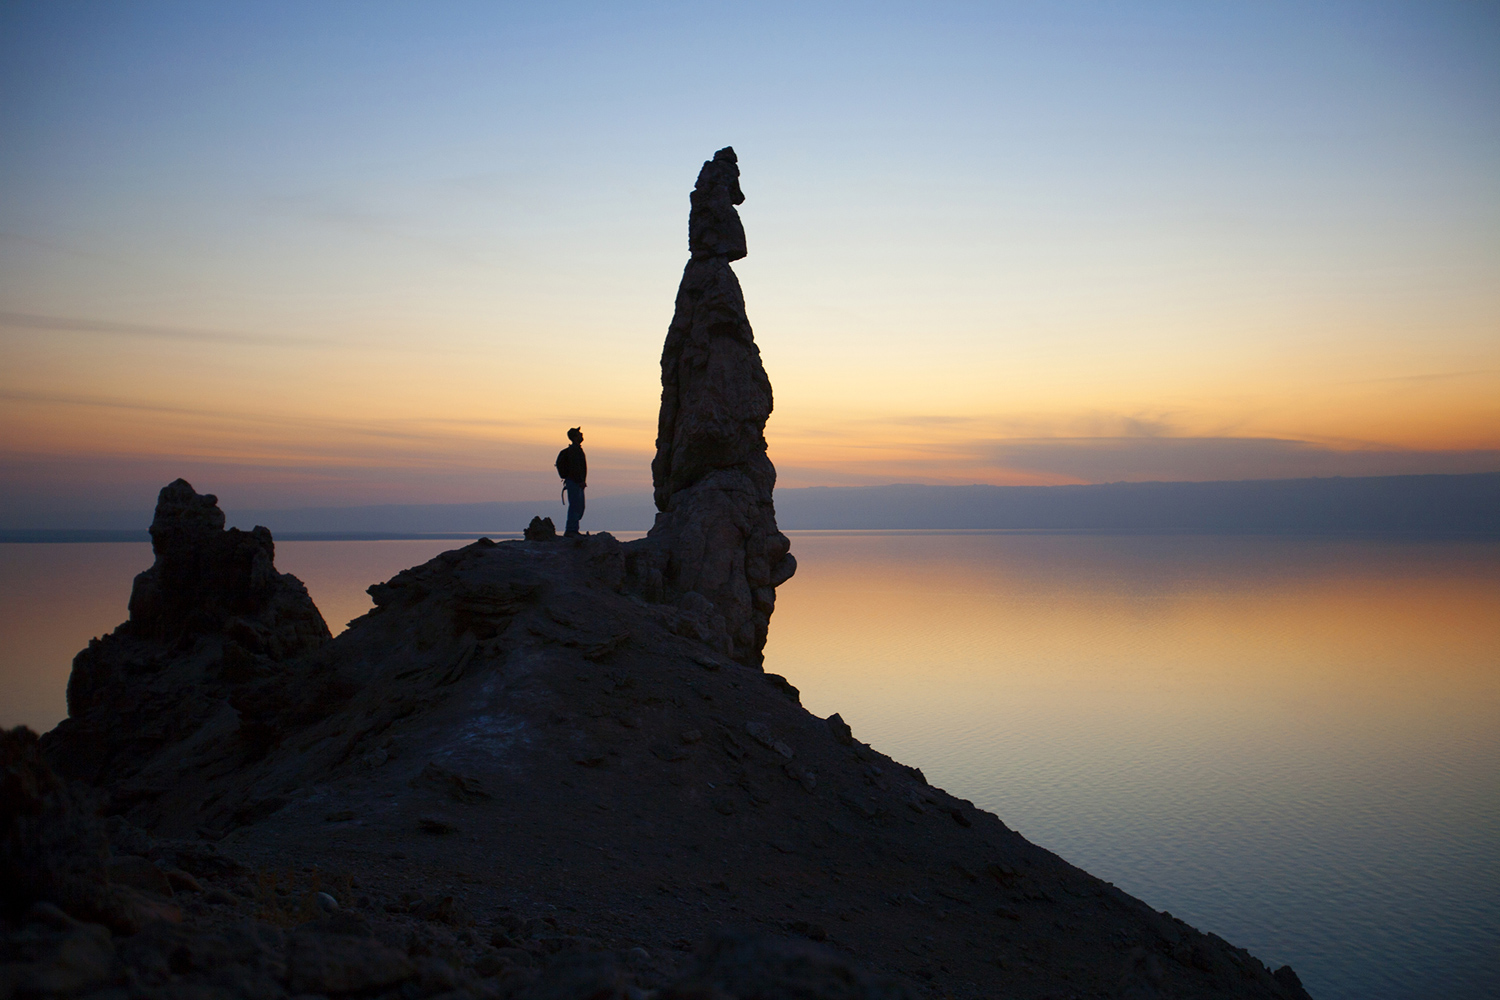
(715, 550)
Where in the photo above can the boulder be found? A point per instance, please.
(53, 848)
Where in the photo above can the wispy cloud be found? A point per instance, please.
(1140, 459)
(31, 321)
(1430, 377)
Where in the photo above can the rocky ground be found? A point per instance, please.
(515, 778)
(545, 769)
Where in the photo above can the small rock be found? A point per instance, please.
(760, 734)
(858, 805)
(1288, 980)
(589, 757)
(327, 903)
(813, 932)
(541, 529)
(516, 956)
(436, 825)
(125, 838)
(807, 779)
(435, 975)
(138, 873)
(338, 963)
(342, 816)
(375, 758)
(181, 881)
(69, 960)
(573, 975)
(840, 729)
(490, 963)
(668, 753)
(458, 787)
(692, 736)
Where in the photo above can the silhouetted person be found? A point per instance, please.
(574, 469)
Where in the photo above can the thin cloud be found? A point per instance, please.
(1178, 459)
(107, 402)
(412, 431)
(31, 321)
(1432, 377)
(68, 324)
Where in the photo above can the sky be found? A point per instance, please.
(348, 253)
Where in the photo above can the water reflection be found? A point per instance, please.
(1294, 743)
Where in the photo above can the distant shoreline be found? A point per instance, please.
(66, 537)
(1438, 506)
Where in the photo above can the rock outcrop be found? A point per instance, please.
(207, 580)
(53, 848)
(210, 618)
(546, 786)
(715, 550)
(537, 770)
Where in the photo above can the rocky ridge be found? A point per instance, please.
(545, 768)
(514, 775)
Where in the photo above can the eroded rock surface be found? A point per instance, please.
(715, 550)
(515, 778)
(540, 769)
(210, 622)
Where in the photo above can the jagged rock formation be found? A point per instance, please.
(210, 621)
(514, 778)
(517, 778)
(714, 550)
(207, 580)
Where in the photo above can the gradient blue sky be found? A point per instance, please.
(362, 252)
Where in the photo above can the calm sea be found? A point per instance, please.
(1294, 743)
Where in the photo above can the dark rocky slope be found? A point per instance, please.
(512, 757)
(540, 768)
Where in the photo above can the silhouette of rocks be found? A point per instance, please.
(537, 778)
(534, 770)
(211, 623)
(714, 227)
(715, 550)
(541, 529)
(206, 579)
(54, 851)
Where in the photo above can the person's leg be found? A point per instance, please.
(575, 507)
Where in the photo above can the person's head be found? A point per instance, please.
(575, 434)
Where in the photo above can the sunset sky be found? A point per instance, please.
(343, 253)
